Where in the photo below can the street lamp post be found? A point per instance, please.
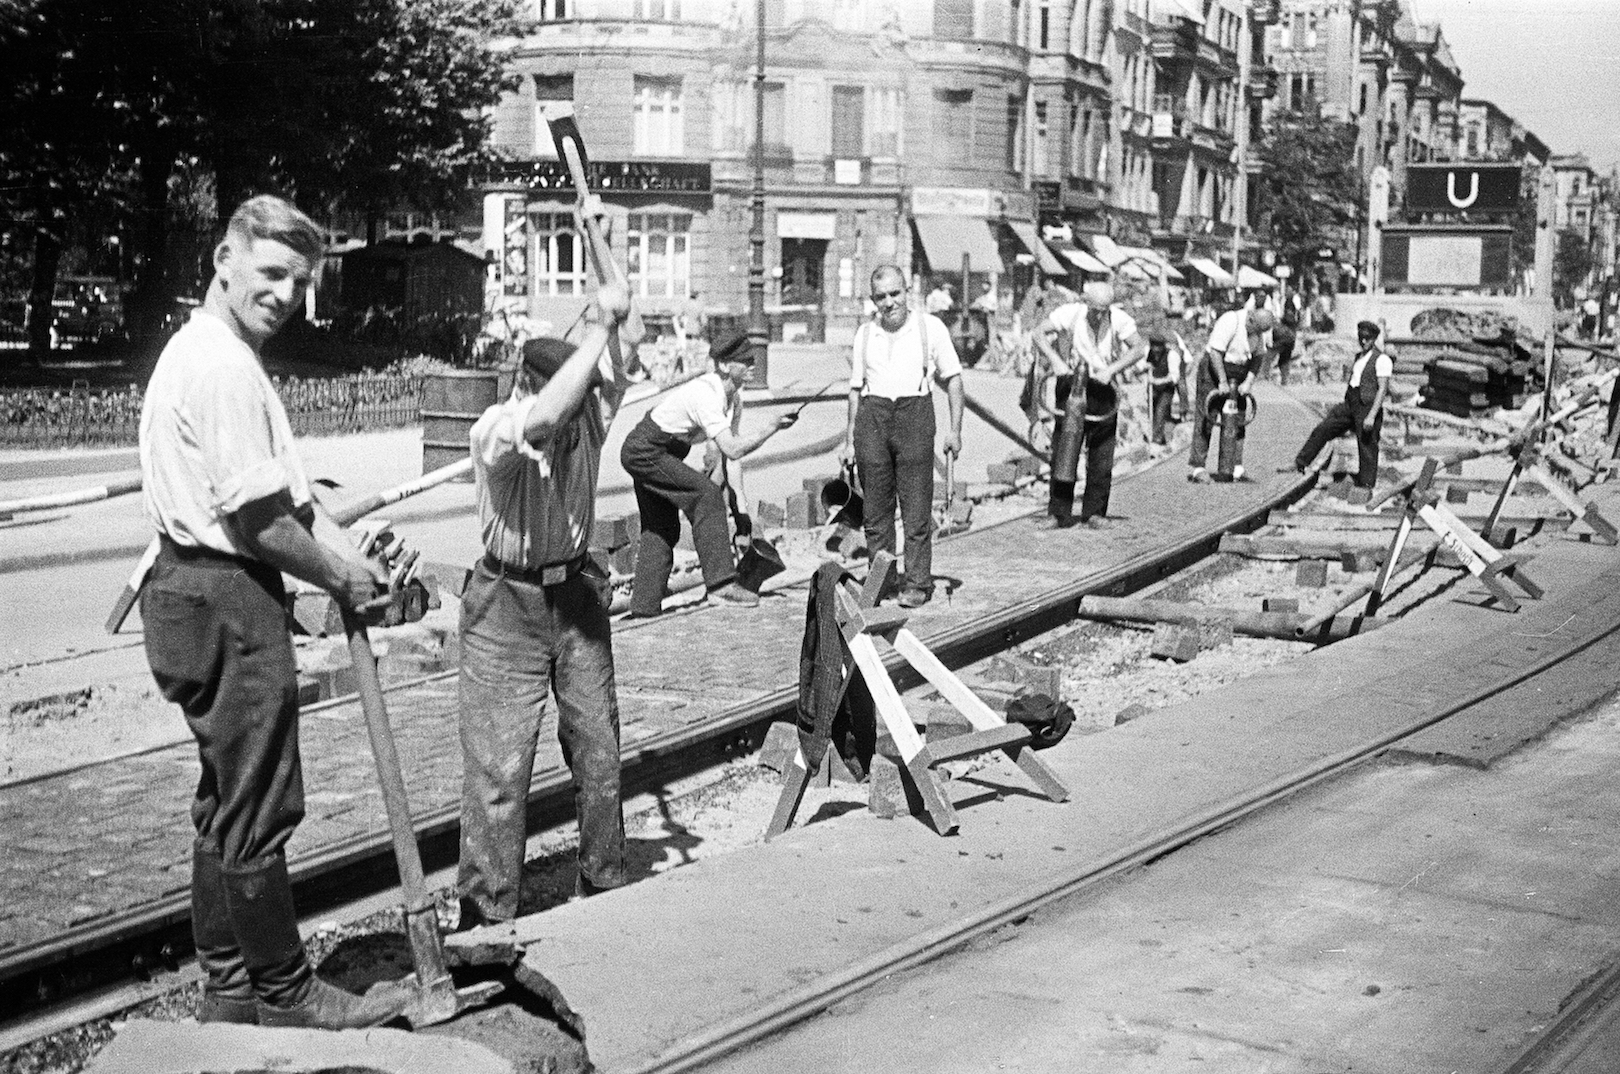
(758, 332)
(1240, 187)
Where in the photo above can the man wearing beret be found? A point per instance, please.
(1362, 411)
(706, 408)
(534, 618)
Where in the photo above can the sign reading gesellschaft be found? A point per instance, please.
(1456, 188)
(607, 176)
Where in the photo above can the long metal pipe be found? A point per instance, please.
(1283, 626)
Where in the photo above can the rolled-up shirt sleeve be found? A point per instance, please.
(497, 436)
(946, 362)
(711, 414)
(857, 360)
(229, 416)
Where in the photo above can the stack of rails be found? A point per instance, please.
(1469, 378)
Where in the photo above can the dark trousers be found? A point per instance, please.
(1098, 439)
(665, 488)
(521, 641)
(1204, 423)
(1285, 358)
(1159, 398)
(894, 449)
(1341, 418)
(218, 646)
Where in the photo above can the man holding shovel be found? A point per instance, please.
(534, 617)
(706, 408)
(233, 511)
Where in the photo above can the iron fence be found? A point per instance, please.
(110, 417)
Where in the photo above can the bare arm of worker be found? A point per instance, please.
(733, 445)
(1044, 335)
(1136, 349)
(613, 373)
(562, 395)
(846, 454)
(955, 394)
(307, 544)
(1377, 404)
(1217, 366)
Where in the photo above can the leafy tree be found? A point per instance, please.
(1572, 264)
(1309, 192)
(115, 109)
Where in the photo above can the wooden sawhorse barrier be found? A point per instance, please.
(1477, 555)
(1533, 461)
(861, 621)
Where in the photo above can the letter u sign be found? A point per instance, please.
(1451, 189)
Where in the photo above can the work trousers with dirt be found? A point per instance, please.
(1347, 417)
(1098, 440)
(520, 641)
(1205, 421)
(894, 450)
(665, 489)
(218, 646)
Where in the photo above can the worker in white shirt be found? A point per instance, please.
(1361, 412)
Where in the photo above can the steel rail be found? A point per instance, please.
(817, 996)
(139, 939)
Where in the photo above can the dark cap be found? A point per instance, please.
(1367, 328)
(545, 355)
(732, 347)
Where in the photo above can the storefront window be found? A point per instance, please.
(559, 257)
(660, 262)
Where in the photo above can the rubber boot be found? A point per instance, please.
(227, 991)
(284, 983)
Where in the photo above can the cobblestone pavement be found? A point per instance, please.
(115, 835)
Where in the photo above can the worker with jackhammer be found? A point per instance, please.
(1087, 398)
(232, 505)
(1226, 373)
(534, 617)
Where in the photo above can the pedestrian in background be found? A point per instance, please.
(534, 619)
(890, 432)
(232, 506)
(706, 408)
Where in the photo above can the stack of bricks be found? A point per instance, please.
(613, 543)
(803, 510)
(1015, 468)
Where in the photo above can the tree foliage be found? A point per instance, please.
(1308, 192)
(1572, 264)
(113, 108)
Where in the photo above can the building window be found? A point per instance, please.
(559, 256)
(1014, 158)
(549, 89)
(953, 126)
(776, 143)
(1362, 110)
(732, 111)
(657, 10)
(660, 258)
(953, 19)
(884, 136)
(1043, 26)
(1310, 30)
(659, 123)
(848, 122)
(551, 10)
(1038, 165)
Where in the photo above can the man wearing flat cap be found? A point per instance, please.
(1103, 342)
(1362, 411)
(706, 408)
(534, 618)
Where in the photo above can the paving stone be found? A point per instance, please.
(145, 1046)
(1311, 573)
(801, 512)
(1214, 633)
(1284, 605)
(1360, 559)
(1172, 641)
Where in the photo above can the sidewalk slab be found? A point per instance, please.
(732, 934)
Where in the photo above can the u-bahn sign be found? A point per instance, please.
(1459, 188)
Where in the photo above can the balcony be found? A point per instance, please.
(1263, 83)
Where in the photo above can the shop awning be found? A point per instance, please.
(1080, 259)
(1212, 272)
(1150, 259)
(946, 238)
(1107, 252)
(1252, 277)
(1044, 257)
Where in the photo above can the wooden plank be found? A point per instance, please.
(1044, 778)
(943, 679)
(880, 620)
(877, 578)
(973, 743)
(890, 708)
(794, 781)
(936, 803)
